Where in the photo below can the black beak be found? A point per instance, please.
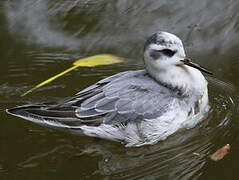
(194, 65)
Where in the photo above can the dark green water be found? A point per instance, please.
(39, 38)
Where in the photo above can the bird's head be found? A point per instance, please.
(164, 50)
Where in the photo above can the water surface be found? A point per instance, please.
(40, 38)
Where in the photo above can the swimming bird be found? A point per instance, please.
(134, 107)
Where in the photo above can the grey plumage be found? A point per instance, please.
(125, 97)
(136, 107)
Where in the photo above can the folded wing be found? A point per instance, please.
(125, 97)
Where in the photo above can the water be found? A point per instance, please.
(40, 38)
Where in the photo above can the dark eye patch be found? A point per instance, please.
(155, 54)
(168, 52)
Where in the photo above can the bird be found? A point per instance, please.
(136, 108)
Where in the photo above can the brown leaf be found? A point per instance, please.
(220, 153)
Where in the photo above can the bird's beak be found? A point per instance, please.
(194, 65)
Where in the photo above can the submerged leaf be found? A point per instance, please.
(220, 153)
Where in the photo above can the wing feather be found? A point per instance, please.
(125, 97)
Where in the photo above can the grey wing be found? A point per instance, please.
(125, 97)
(130, 97)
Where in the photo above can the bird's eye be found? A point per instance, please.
(155, 54)
(168, 52)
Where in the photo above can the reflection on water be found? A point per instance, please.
(43, 37)
(87, 25)
(30, 20)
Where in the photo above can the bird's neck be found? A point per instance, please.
(183, 78)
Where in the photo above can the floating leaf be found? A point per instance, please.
(97, 60)
(220, 153)
(196, 154)
(103, 59)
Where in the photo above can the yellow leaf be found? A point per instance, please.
(103, 59)
(97, 60)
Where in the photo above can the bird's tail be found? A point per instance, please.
(48, 115)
